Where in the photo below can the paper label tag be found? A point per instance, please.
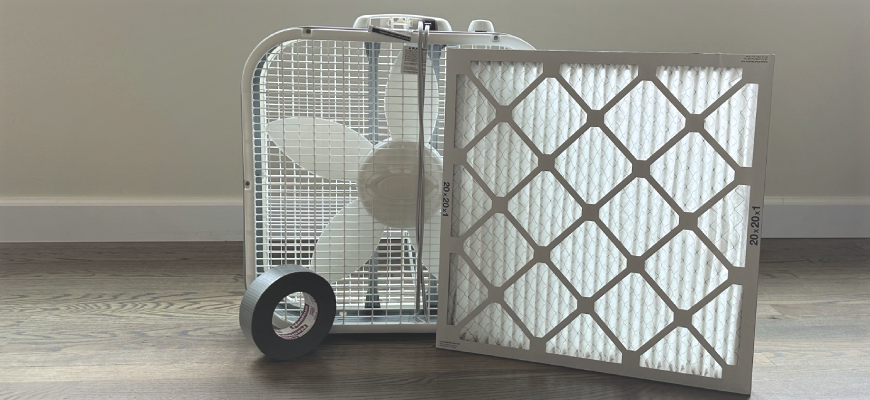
(755, 59)
(448, 345)
(410, 60)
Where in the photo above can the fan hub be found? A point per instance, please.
(387, 183)
(399, 186)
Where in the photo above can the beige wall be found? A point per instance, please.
(140, 99)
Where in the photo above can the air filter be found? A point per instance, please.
(603, 211)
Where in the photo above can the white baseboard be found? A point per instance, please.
(816, 217)
(114, 220)
(206, 219)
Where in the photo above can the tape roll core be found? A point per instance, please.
(282, 335)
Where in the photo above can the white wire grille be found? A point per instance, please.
(338, 90)
(602, 211)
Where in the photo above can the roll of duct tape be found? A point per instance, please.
(287, 311)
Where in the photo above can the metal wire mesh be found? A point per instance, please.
(346, 84)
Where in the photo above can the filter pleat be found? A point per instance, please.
(618, 224)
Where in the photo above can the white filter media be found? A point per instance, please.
(603, 211)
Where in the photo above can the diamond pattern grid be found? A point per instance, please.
(733, 124)
(647, 208)
(593, 165)
(583, 338)
(494, 326)
(588, 259)
(725, 224)
(544, 208)
(598, 83)
(540, 300)
(503, 158)
(698, 87)
(633, 311)
(644, 120)
(692, 172)
(470, 200)
(681, 352)
(466, 291)
(469, 124)
(505, 80)
(719, 323)
(497, 249)
(549, 126)
(686, 269)
(638, 216)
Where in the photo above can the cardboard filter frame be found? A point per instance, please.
(603, 211)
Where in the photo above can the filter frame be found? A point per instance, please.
(645, 166)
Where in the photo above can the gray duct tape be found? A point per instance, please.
(280, 332)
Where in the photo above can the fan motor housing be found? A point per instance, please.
(387, 183)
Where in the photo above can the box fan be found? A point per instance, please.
(330, 124)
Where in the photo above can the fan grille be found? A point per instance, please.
(343, 82)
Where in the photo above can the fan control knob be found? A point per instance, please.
(481, 25)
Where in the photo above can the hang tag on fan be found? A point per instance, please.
(410, 60)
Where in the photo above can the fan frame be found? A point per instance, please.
(256, 59)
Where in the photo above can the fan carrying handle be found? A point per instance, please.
(401, 22)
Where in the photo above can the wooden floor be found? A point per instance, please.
(160, 320)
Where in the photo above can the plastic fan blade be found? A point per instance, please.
(279, 322)
(325, 148)
(347, 243)
(401, 104)
(431, 240)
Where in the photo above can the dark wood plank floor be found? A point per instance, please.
(159, 320)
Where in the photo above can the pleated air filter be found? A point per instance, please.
(603, 211)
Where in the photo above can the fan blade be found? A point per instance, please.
(279, 321)
(326, 148)
(401, 104)
(347, 243)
